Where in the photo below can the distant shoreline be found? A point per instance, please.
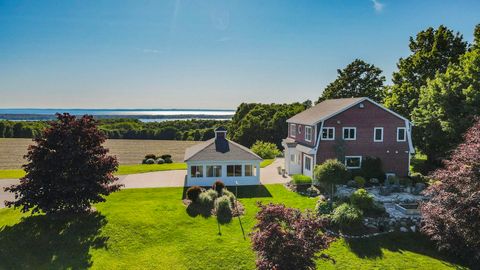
(147, 118)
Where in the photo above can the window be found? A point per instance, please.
(353, 162)
(299, 130)
(250, 170)
(349, 133)
(293, 130)
(328, 133)
(401, 134)
(214, 171)
(308, 134)
(234, 170)
(196, 171)
(378, 134)
(308, 163)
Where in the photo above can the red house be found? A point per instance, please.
(348, 129)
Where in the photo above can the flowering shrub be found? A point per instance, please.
(285, 238)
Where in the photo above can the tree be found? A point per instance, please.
(284, 238)
(447, 107)
(68, 169)
(265, 150)
(357, 79)
(331, 172)
(451, 217)
(432, 51)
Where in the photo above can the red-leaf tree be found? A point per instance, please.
(68, 169)
(451, 217)
(285, 238)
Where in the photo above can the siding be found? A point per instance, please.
(394, 155)
(300, 138)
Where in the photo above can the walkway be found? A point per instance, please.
(268, 175)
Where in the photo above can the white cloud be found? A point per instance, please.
(378, 6)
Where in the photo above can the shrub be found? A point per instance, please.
(168, 160)
(331, 172)
(223, 206)
(212, 194)
(218, 186)
(285, 238)
(229, 194)
(300, 179)
(361, 199)
(205, 200)
(166, 156)
(313, 191)
(418, 178)
(150, 156)
(359, 181)
(150, 161)
(323, 207)
(193, 193)
(265, 150)
(160, 161)
(347, 215)
(372, 168)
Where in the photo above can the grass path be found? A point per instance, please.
(150, 229)
(125, 169)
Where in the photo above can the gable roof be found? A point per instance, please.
(208, 151)
(331, 107)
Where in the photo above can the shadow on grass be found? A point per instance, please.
(196, 209)
(42, 242)
(254, 191)
(371, 248)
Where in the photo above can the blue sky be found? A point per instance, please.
(201, 54)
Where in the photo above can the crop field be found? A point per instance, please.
(127, 151)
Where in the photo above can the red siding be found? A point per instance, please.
(394, 154)
(301, 137)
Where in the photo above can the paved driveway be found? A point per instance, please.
(268, 175)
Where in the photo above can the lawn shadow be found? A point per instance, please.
(44, 242)
(371, 248)
(253, 191)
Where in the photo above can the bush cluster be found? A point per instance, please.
(193, 193)
(265, 150)
(157, 159)
(346, 215)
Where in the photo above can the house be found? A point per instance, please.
(348, 129)
(221, 159)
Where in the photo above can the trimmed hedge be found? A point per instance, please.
(300, 179)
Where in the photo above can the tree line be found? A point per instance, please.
(194, 130)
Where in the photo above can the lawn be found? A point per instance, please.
(126, 169)
(150, 229)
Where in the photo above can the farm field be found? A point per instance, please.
(128, 152)
(151, 229)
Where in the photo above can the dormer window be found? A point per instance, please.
(293, 130)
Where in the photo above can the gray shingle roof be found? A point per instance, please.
(322, 110)
(207, 151)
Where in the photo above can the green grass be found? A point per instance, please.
(126, 169)
(150, 229)
(300, 179)
(266, 162)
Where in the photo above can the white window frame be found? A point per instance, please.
(349, 139)
(359, 166)
(197, 175)
(327, 138)
(252, 170)
(404, 134)
(234, 170)
(299, 129)
(375, 134)
(308, 130)
(293, 130)
(213, 170)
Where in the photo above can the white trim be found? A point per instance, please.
(360, 165)
(299, 129)
(293, 130)
(311, 133)
(375, 134)
(349, 139)
(404, 134)
(328, 139)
